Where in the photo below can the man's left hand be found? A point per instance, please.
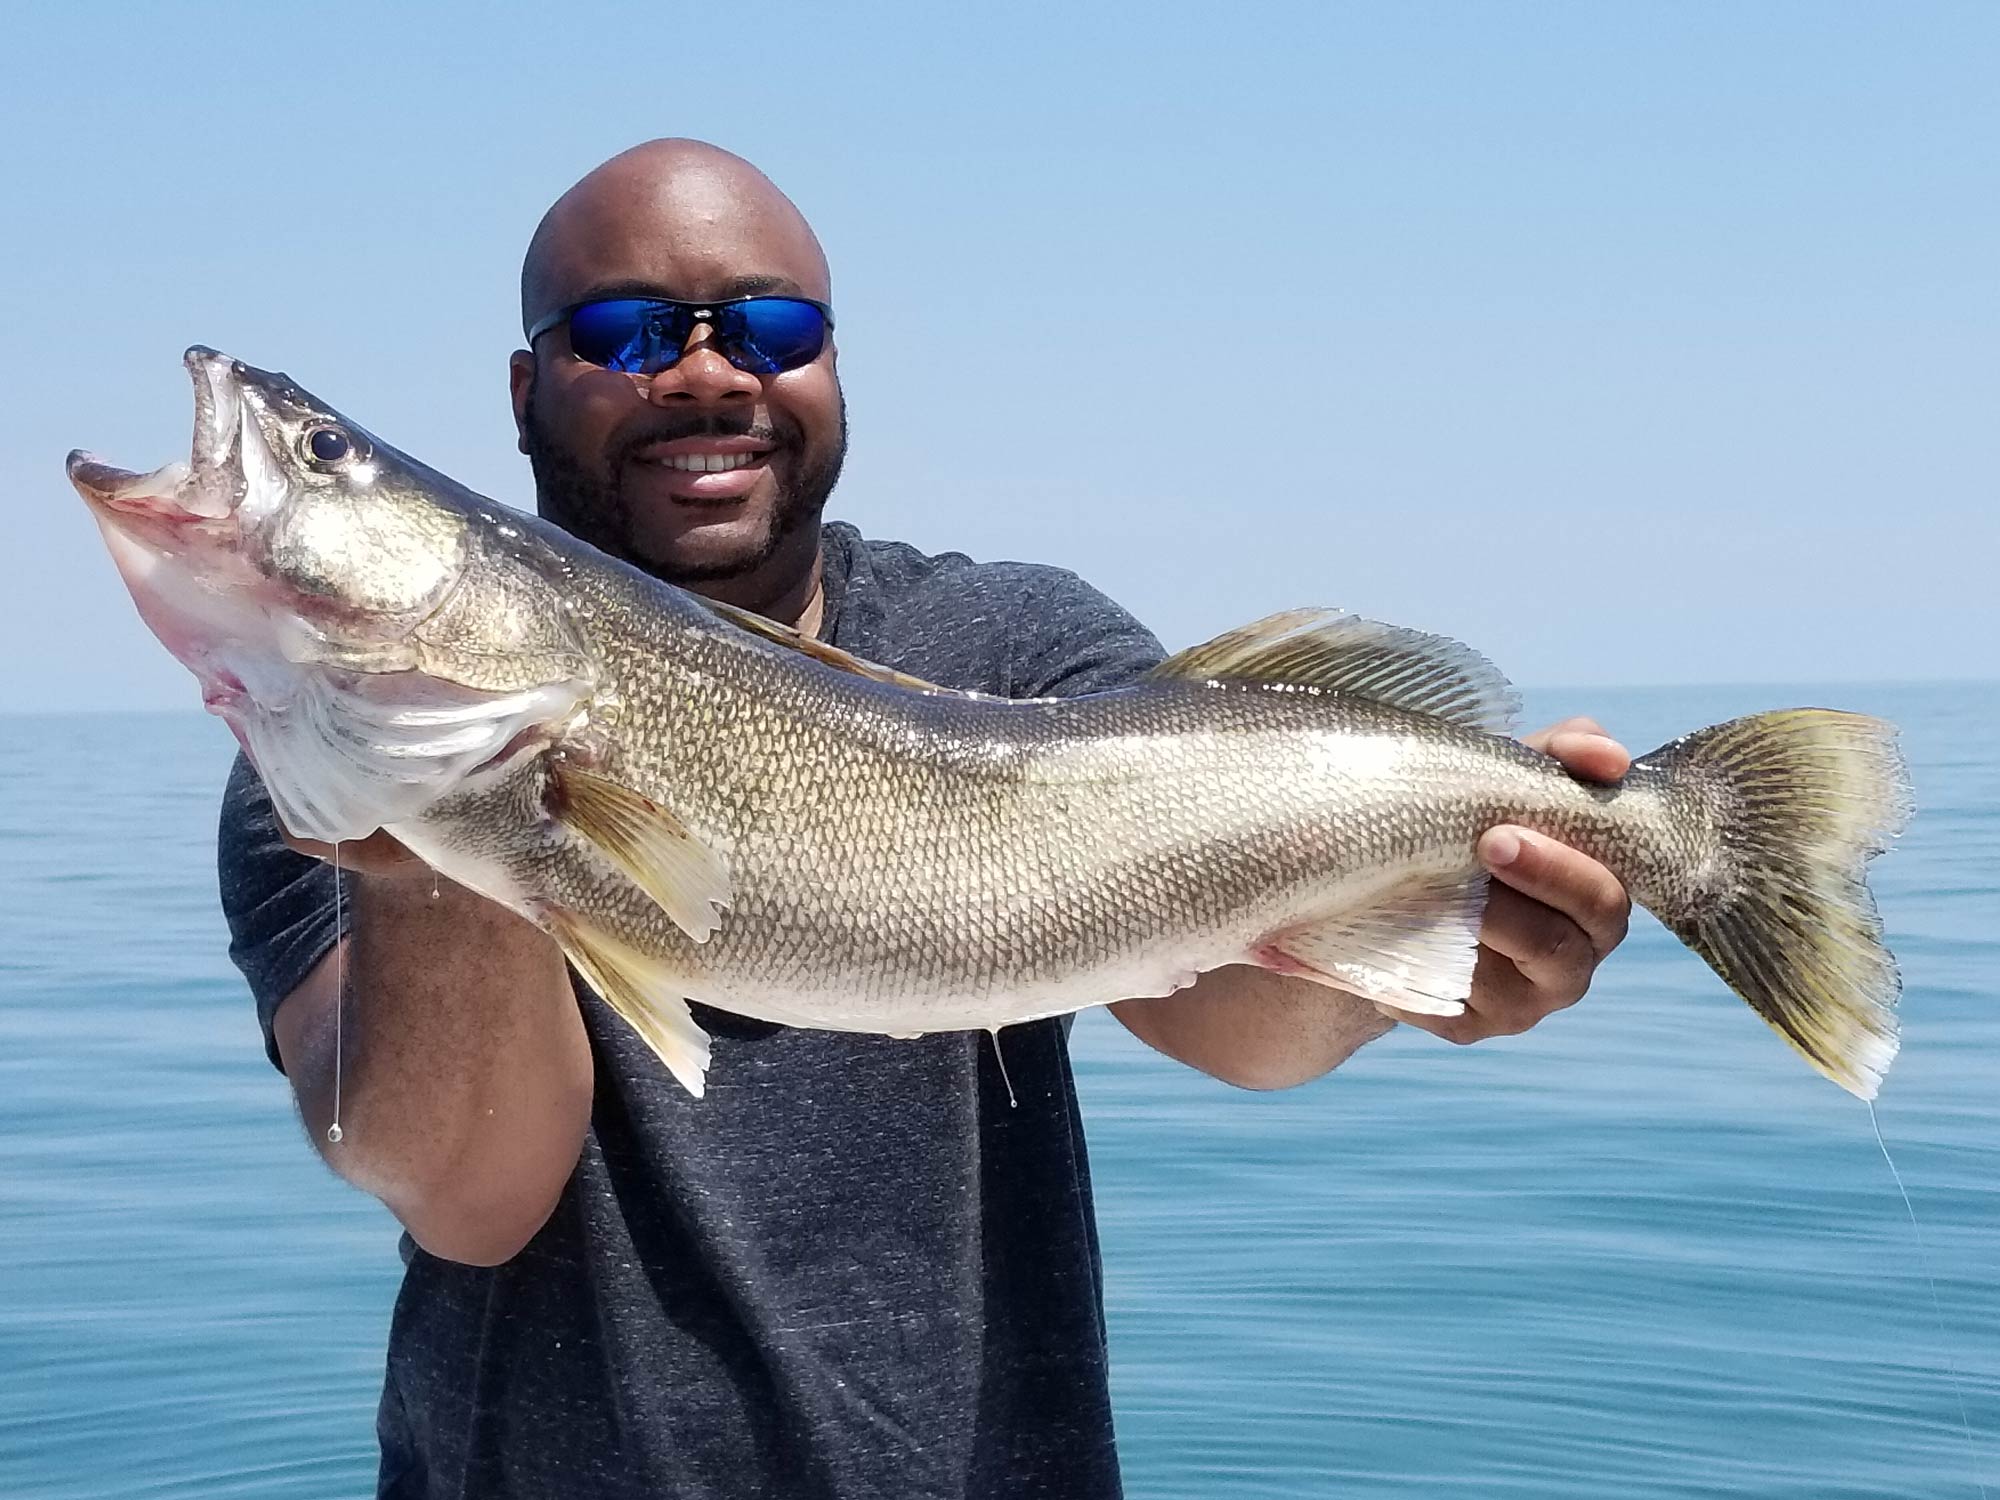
(1553, 916)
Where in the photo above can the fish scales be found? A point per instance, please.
(700, 804)
(955, 851)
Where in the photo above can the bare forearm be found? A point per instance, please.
(1255, 1029)
(464, 1072)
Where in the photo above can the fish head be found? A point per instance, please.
(286, 516)
(351, 614)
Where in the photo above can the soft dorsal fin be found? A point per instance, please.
(1327, 650)
(832, 656)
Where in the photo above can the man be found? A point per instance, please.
(852, 1269)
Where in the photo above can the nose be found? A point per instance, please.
(702, 374)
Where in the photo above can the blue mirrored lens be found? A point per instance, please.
(765, 335)
(631, 334)
(643, 336)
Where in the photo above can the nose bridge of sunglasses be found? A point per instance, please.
(709, 359)
(704, 331)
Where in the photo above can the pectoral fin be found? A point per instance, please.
(641, 990)
(648, 843)
(1414, 948)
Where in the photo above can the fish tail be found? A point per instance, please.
(1789, 807)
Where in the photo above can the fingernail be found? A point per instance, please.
(1501, 847)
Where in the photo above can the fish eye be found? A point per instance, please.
(328, 447)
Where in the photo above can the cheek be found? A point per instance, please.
(580, 407)
(380, 568)
(810, 398)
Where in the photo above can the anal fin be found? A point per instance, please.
(641, 990)
(1413, 948)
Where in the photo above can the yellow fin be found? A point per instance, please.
(1329, 651)
(1806, 797)
(1413, 948)
(641, 990)
(832, 656)
(684, 875)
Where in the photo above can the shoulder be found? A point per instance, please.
(1024, 629)
(279, 904)
(949, 582)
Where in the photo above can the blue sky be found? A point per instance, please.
(1629, 343)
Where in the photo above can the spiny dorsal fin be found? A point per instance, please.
(1327, 650)
(832, 656)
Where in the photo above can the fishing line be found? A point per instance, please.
(1001, 1058)
(1937, 1307)
(333, 1131)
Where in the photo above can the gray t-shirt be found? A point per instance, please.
(851, 1270)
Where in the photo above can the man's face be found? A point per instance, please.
(701, 472)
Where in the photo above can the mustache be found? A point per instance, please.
(667, 427)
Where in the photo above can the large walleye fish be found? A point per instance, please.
(696, 803)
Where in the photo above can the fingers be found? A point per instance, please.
(1562, 882)
(1584, 748)
(1552, 917)
(1504, 1002)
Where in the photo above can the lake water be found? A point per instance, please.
(1642, 1251)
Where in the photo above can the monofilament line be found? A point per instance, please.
(1001, 1058)
(333, 1131)
(1937, 1307)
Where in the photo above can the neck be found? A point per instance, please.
(785, 587)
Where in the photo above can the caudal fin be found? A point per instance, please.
(1800, 801)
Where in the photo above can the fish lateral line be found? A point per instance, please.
(881, 846)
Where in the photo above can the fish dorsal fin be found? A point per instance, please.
(832, 656)
(1329, 651)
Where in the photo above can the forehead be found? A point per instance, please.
(699, 233)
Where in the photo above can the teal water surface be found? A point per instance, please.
(1642, 1251)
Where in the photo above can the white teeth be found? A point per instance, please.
(708, 463)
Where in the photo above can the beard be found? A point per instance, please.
(587, 500)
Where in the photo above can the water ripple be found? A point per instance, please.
(1639, 1252)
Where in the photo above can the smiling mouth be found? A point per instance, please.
(704, 463)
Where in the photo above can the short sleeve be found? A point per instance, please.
(279, 903)
(1067, 639)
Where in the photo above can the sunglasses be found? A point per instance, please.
(645, 335)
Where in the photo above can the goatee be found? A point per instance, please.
(588, 501)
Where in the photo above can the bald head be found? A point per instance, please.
(677, 218)
(615, 451)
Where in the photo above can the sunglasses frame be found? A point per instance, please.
(699, 312)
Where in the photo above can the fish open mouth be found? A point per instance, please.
(175, 534)
(161, 495)
(208, 485)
